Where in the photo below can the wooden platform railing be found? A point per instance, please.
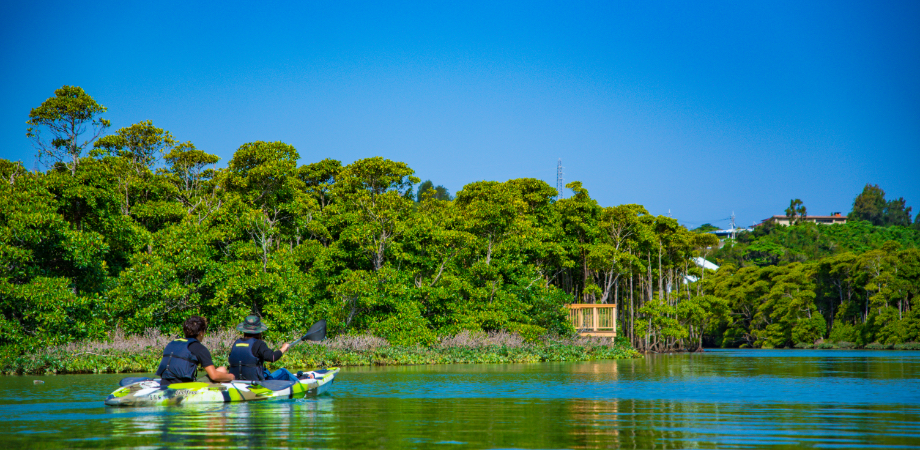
(594, 319)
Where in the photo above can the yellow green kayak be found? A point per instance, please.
(142, 391)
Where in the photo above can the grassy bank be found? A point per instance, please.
(124, 354)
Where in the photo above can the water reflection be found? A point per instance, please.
(233, 425)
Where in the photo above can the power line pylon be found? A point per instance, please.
(559, 180)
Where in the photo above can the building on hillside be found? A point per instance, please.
(729, 233)
(834, 219)
(702, 263)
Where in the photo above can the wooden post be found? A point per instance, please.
(594, 310)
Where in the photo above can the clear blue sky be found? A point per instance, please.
(700, 108)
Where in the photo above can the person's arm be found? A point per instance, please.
(261, 350)
(219, 374)
(216, 374)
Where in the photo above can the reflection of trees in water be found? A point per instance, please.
(595, 423)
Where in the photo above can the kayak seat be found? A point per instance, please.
(131, 380)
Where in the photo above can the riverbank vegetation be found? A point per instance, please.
(135, 230)
(142, 353)
(855, 285)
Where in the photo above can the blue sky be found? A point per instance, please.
(700, 108)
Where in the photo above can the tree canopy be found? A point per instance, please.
(145, 231)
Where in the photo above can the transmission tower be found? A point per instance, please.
(559, 184)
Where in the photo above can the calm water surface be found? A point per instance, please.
(718, 399)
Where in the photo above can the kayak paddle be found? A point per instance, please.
(316, 333)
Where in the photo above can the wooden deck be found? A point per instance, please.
(594, 319)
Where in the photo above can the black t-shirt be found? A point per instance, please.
(201, 352)
(260, 350)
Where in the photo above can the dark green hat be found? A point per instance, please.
(252, 325)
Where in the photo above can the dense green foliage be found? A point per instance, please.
(871, 206)
(144, 231)
(770, 245)
(856, 284)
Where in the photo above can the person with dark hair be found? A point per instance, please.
(182, 357)
(249, 353)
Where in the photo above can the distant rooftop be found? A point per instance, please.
(833, 219)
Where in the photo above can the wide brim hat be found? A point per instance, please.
(252, 324)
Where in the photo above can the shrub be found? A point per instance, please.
(479, 339)
(907, 346)
(355, 342)
(825, 345)
(845, 332)
(878, 346)
(845, 344)
(804, 345)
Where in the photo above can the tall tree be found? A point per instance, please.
(796, 212)
(141, 144)
(371, 196)
(264, 177)
(869, 205)
(437, 192)
(66, 117)
(188, 171)
(319, 177)
(609, 258)
(896, 214)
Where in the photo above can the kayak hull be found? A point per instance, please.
(149, 392)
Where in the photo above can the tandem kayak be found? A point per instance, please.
(142, 391)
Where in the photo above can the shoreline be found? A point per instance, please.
(310, 356)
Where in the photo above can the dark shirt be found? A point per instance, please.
(202, 353)
(260, 350)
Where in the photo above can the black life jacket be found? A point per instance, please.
(178, 364)
(243, 364)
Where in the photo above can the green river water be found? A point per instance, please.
(716, 399)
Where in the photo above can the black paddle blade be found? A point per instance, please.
(317, 332)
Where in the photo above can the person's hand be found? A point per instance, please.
(219, 374)
(223, 370)
(285, 347)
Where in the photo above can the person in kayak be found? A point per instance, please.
(249, 354)
(182, 357)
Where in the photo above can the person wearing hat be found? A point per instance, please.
(249, 353)
(182, 357)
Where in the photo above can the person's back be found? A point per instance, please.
(182, 357)
(179, 364)
(243, 362)
(248, 354)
